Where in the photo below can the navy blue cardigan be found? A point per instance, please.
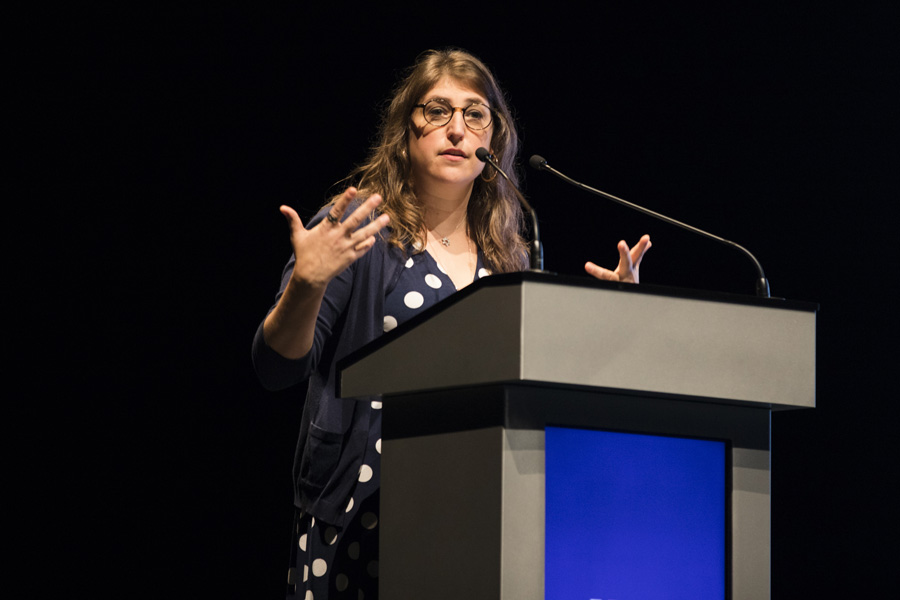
(333, 430)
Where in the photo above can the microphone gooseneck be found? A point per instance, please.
(537, 251)
(762, 284)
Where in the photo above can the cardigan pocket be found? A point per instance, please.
(321, 456)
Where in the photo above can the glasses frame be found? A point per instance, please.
(453, 110)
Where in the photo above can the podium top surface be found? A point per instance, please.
(576, 331)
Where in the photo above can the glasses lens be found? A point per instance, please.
(437, 112)
(478, 116)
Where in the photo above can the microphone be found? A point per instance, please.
(537, 251)
(762, 284)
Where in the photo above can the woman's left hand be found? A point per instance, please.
(629, 263)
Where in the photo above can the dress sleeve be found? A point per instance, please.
(276, 372)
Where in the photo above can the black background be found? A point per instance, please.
(159, 142)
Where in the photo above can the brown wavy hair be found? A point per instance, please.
(494, 215)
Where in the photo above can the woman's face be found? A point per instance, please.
(445, 156)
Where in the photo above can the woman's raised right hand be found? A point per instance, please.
(323, 252)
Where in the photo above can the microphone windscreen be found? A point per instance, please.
(537, 162)
(482, 154)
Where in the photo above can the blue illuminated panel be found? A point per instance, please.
(632, 517)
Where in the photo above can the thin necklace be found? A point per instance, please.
(472, 263)
(445, 240)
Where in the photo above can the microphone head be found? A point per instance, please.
(537, 162)
(482, 154)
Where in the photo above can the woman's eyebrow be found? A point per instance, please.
(469, 100)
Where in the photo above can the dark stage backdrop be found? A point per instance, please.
(162, 141)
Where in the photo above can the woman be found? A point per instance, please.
(426, 219)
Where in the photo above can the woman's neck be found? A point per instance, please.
(443, 203)
(443, 213)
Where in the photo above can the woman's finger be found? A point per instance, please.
(371, 229)
(625, 262)
(293, 219)
(362, 212)
(365, 245)
(336, 213)
(637, 253)
(598, 271)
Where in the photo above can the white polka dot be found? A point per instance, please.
(372, 568)
(341, 582)
(349, 505)
(365, 473)
(312, 521)
(413, 300)
(482, 272)
(417, 245)
(319, 567)
(433, 281)
(309, 595)
(376, 404)
(353, 550)
(330, 535)
(303, 542)
(389, 323)
(378, 446)
(369, 520)
(440, 267)
(306, 573)
(409, 263)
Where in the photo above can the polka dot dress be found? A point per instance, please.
(422, 284)
(337, 563)
(333, 562)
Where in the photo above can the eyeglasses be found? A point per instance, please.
(438, 112)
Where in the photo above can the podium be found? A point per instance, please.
(470, 386)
